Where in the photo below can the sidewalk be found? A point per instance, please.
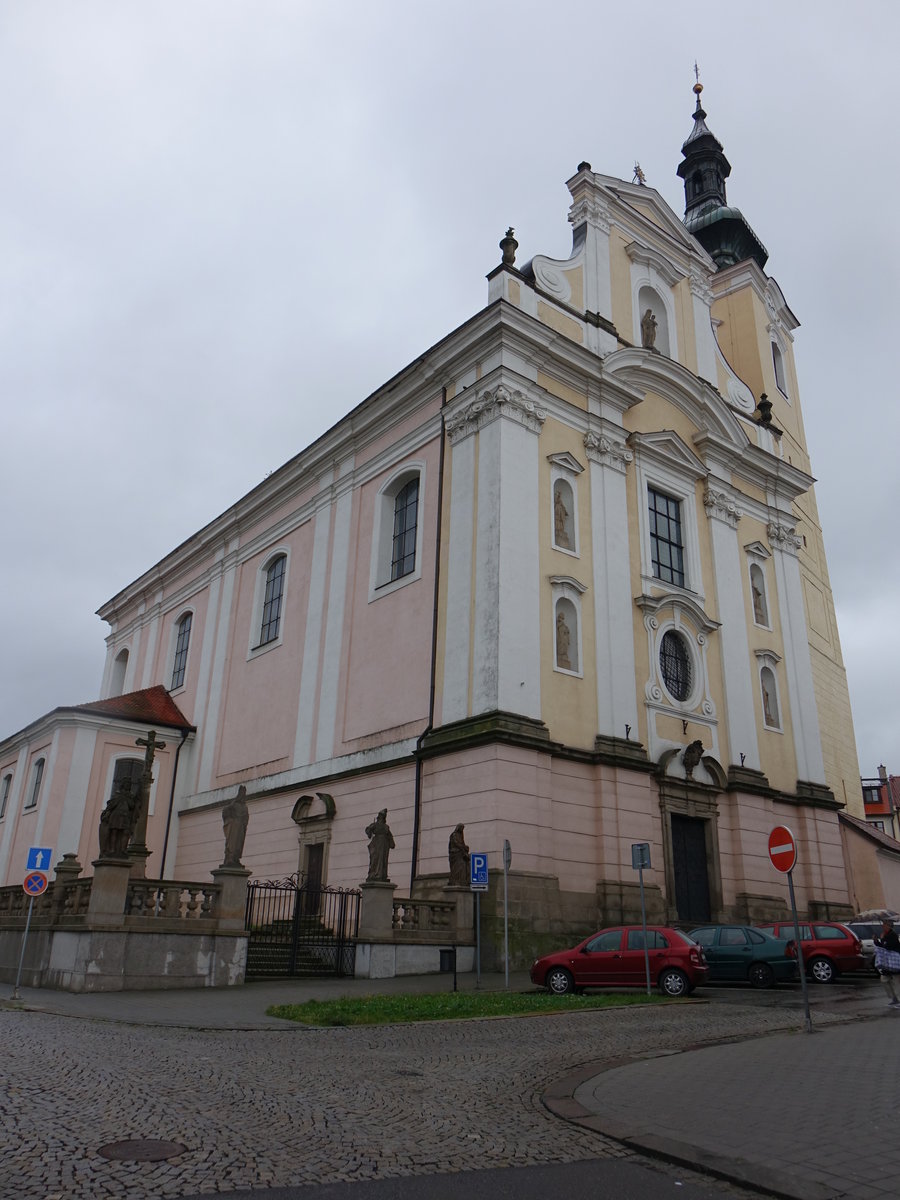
(239, 1007)
(804, 1116)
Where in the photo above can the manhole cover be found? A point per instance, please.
(141, 1150)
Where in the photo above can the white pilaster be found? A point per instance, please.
(506, 660)
(457, 638)
(797, 662)
(613, 604)
(312, 638)
(702, 297)
(220, 621)
(76, 798)
(724, 514)
(334, 629)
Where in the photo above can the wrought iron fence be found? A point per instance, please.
(298, 927)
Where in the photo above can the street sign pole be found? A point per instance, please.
(15, 995)
(783, 854)
(478, 939)
(801, 965)
(507, 860)
(640, 858)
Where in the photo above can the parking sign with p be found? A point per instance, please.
(478, 872)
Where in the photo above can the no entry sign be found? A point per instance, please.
(782, 848)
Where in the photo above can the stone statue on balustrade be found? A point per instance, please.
(381, 842)
(459, 859)
(235, 819)
(117, 821)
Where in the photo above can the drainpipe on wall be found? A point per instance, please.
(417, 803)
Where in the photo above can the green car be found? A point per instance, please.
(742, 954)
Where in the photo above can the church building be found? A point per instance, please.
(561, 580)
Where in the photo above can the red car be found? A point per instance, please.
(615, 957)
(828, 948)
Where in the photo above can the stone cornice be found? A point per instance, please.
(652, 258)
(489, 407)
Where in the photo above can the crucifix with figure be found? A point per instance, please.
(137, 850)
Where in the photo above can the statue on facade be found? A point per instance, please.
(459, 859)
(648, 330)
(118, 819)
(759, 615)
(691, 758)
(563, 637)
(235, 819)
(560, 515)
(381, 842)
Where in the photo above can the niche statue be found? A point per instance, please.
(459, 859)
(381, 842)
(117, 820)
(235, 818)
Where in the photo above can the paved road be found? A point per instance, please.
(260, 1106)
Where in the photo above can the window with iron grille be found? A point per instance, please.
(36, 783)
(406, 509)
(271, 614)
(675, 665)
(666, 539)
(182, 642)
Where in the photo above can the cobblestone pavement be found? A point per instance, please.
(264, 1108)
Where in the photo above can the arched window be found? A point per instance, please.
(654, 321)
(120, 667)
(36, 779)
(675, 665)
(563, 516)
(4, 794)
(758, 593)
(406, 519)
(778, 363)
(182, 641)
(566, 637)
(769, 689)
(270, 624)
(397, 534)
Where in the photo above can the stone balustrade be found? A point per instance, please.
(415, 917)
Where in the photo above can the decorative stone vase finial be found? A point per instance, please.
(765, 410)
(509, 246)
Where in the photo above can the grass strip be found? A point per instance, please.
(443, 1006)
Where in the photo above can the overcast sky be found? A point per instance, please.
(222, 225)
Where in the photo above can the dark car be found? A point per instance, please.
(615, 958)
(829, 948)
(743, 954)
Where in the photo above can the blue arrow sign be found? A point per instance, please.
(39, 858)
(478, 872)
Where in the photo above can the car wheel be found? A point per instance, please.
(674, 983)
(822, 970)
(761, 975)
(559, 981)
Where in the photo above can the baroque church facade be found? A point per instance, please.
(561, 579)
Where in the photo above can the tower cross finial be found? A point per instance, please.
(696, 71)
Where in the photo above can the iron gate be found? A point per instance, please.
(299, 927)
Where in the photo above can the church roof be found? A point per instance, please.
(150, 706)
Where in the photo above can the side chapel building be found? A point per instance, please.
(561, 579)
